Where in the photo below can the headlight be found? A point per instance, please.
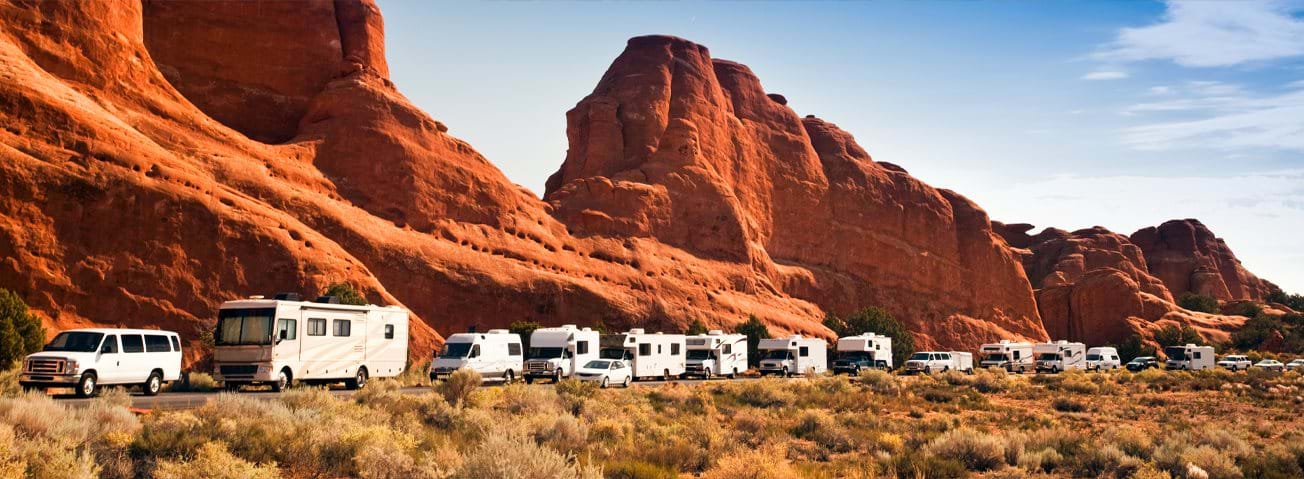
(70, 366)
(262, 368)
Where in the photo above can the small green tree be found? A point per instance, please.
(1247, 309)
(755, 331)
(20, 331)
(1174, 336)
(346, 293)
(525, 329)
(1134, 347)
(1198, 302)
(879, 321)
(695, 328)
(1255, 331)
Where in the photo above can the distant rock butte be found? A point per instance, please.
(158, 158)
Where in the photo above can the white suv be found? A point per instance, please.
(1235, 362)
(85, 359)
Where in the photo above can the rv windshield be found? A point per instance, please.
(699, 354)
(544, 353)
(76, 342)
(854, 355)
(241, 327)
(1048, 357)
(455, 350)
(996, 357)
(778, 354)
(1175, 353)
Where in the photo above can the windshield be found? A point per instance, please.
(1093, 357)
(236, 327)
(1143, 359)
(1235, 358)
(996, 357)
(78, 342)
(543, 353)
(778, 354)
(598, 364)
(1175, 353)
(919, 357)
(699, 354)
(854, 355)
(455, 350)
(1048, 357)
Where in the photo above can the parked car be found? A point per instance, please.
(1296, 364)
(1271, 365)
(606, 372)
(1143, 362)
(85, 359)
(1235, 362)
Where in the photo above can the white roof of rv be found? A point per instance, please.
(117, 331)
(269, 303)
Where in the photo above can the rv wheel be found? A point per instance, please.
(359, 381)
(706, 374)
(734, 374)
(785, 372)
(556, 376)
(509, 377)
(665, 375)
(87, 387)
(282, 381)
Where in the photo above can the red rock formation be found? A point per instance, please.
(1189, 258)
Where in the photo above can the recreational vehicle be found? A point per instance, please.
(1060, 356)
(282, 340)
(556, 353)
(496, 355)
(929, 362)
(649, 355)
(865, 351)
(716, 353)
(1009, 355)
(1103, 358)
(85, 359)
(1189, 357)
(793, 355)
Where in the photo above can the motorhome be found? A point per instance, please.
(793, 355)
(1009, 355)
(1060, 355)
(864, 351)
(496, 355)
(929, 362)
(282, 340)
(85, 359)
(556, 353)
(716, 353)
(1100, 358)
(649, 355)
(1189, 357)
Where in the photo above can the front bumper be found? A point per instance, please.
(48, 380)
(243, 372)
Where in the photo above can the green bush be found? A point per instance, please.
(1198, 302)
(879, 321)
(346, 293)
(1134, 347)
(20, 331)
(977, 450)
(1176, 336)
(629, 469)
(755, 331)
(695, 328)
(525, 329)
(459, 385)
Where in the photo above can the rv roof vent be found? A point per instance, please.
(568, 326)
(288, 297)
(635, 330)
(715, 332)
(1005, 341)
(586, 328)
(497, 331)
(327, 300)
(256, 296)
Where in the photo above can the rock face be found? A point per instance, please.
(1189, 258)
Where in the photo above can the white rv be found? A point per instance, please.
(1060, 355)
(864, 351)
(716, 353)
(556, 353)
(793, 355)
(496, 355)
(929, 362)
(283, 340)
(1189, 357)
(654, 355)
(85, 359)
(1100, 358)
(1008, 355)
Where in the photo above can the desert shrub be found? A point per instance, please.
(20, 331)
(1215, 463)
(417, 374)
(507, 456)
(170, 434)
(1134, 347)
(213, 461)
(1065, 404)
(978, 451)
(991, 380)
(566, 434)
(459, 386)
(1225, 441)
(196, 382)
(1275, 462)
(1149, 471)
(346, 293)
(875, 320)
(695, 328)
(1042, 460)
(1197, 302)
(9, 386)
(764, 393)
(574, 393)
(1103, 460)
(879, 381)
(816, 425)
(915, 464)
(1131, 440)
(765, 463)
(627, 469)
(755, 331)
(521, 399)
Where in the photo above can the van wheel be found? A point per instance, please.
(152, 385)
(87, 386)
(359, 381)
(509, 377)
(282, 381)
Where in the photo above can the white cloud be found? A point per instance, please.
(1160, 90)
(1105, 75)
(1230, 118)
(1213, 33)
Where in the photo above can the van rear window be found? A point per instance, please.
(131, 343)
(157, 343)
(176, 344)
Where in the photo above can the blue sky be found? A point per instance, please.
(1066, 114)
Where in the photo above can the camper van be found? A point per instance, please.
(793, 355)
(1189, 357)
(1100, 358)
(496, 355)
(556, 353)
(716, 353)
(282, 340)
(649, 355)
(85, 359)
(1060, 355)
(865, 351)
(929, 362)
(1009, 355)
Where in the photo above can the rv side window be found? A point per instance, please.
(157, 343)
(131, 343)
(343, 327)
(1016, 354)
(645, 349)
(581, 347)
(475, 352)
(728, 349)
(287, 329)
(803, 351)
(110, 345)
(674, 349)
(513, 349)
(1197, 355)
(389, 332)
(316, 327)
(176, 344)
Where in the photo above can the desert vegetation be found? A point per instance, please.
(1154, 424)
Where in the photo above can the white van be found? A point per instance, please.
(1060, 355)
(653, 355)
(716, 353)
(85, 359)
(793, 355)
(283, 340)
(496, 355)
(1009, 355)
(1100, 358)
(864, 351)
(1189, 357)
(556, 353)
(929, 362)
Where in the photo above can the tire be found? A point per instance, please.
(706, 374)
(232, 387)
(283, 381)
(734, 374)
(28, 389)
(529, 380)
(153, 385)
(88, 386)
(509, 377)
(556, 376)
(605, 382)
(665, 375)
(627, 382)
(785, 372)
(358, 381)
(928, 370)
